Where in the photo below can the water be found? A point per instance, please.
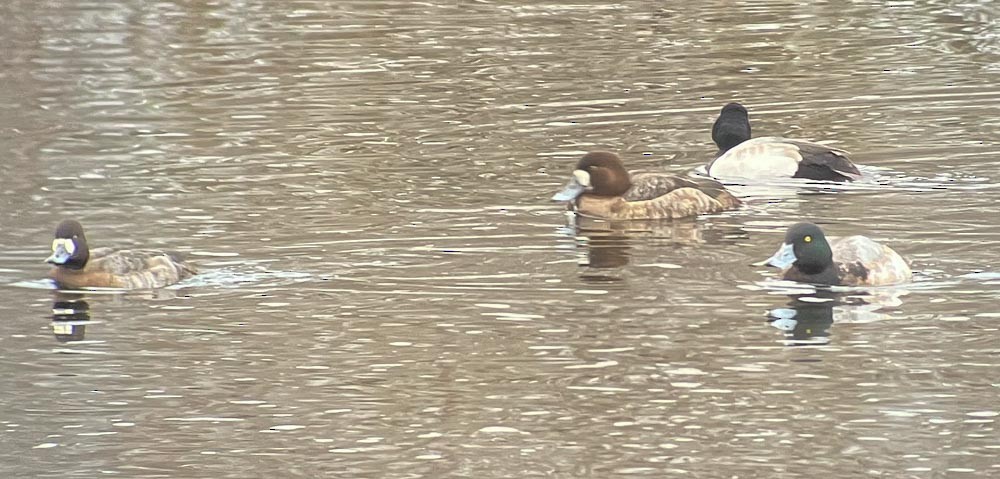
(388, 292)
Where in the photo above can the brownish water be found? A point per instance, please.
(388, 293)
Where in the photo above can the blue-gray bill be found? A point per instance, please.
(782, 258)
(572, 190)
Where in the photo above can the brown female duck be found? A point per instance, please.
(77, 266)
(601, 187)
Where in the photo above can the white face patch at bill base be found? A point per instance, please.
(62, 251)
(578, 185)
(67, 245)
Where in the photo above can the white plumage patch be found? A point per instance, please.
(884, 265)
(765, 157)
(67, 244)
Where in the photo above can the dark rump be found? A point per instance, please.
(825, 164)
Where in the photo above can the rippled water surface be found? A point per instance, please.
(387, 290)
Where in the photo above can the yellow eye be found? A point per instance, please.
(808, 239)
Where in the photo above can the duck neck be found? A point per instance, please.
(729, 131)
(727, 142)
(611, 183)
(78, 260)
(822, 274)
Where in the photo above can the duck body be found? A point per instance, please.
(77, 266)
(777, 157)
(740, 156)
(807, 256)
(602, 188)
(659, 196)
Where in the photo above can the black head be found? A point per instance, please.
(607, 173)
(69, 248)
(812, 252)
(731, 128)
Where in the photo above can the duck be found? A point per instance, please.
(76, 266)
(600, 187)
(807, 257)
(771, 156)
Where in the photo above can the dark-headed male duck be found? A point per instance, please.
(77, 266)
(772, 156)
(601, 187)
(806, 256)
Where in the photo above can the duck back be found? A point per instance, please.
(864, 262)
(776, 157)
(821, 162)
(757, 158)
(659, 196)
(126, 269)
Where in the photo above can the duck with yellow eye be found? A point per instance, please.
(601, 188)
(77, 266)
(806, 256)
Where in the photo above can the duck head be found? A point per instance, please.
(599, 173)
(731, 128)
(69, 248)
(806, 248)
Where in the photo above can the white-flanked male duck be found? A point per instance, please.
(806, 256)
(772, 156)
(601, 187)
(77, 266)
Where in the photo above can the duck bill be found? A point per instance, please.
(783, 258)
(572, 190)
(59, 255)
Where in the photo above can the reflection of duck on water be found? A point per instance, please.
(70, 315)
(608, 244)
(689, 231)
(808, 317)
(604, 252)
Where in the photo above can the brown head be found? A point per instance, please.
(599, 173)
(69, 248)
